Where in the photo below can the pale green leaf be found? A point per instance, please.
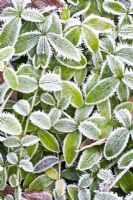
(10, 33)
(124, 117)
(47, 99)
(74, 35)
(40, 119)
(11, 78)
(73, 191)
(106, 195)
(89, 158)
(12, 158)
(66, 125)
(105, 109)
(63, 47)
(89, 130)
(73, 64)
(9, 124)
(116, 143)
(128, 79)
(26, 165)
(27, 84)
(32, 15)
(22, 107)
(54, 116)
(26, 42)
(124, 52)
(102, 91)
(12, 141)
(50, 82)
(84, 194)
(85, 181)
(29, 140)
(6, 54)
(83, 113)
(125, 160)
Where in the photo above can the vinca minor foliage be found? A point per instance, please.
(66, 100)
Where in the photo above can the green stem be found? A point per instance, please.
(5, 101)
(121, 175)
(25, 131)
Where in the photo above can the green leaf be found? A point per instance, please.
(40, 183)
(22, 107)
(9, 124)
(102, 91)
(98, 23)
(40, 119)
(125, 160)
(116, 143)
(45, 164)
(73, 192)
(47, 99)
(105, 109)
(49, 141)
(32, 15)
(26, 42)
(71, 144)
(63, 47)
(74, 35)
(89, 130)
(11, 78)
(90, 38)
(124, 52)
(26, 84)
(116, 66)
(29, 140)
(50, 82)
(124, 117)
(115, 8)
(10, 32)
(106, 195)
(73, 64)
(44, 50)
(6, 54)
(74, 91)
(124, 183)
(80, 76)
(66, 125)
(128, 79)
(89, 158)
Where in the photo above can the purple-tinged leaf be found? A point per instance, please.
(45, 163)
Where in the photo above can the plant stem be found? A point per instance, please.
(121, 175)
(25, 130)
(5, 101)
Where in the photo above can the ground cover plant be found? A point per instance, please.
(66, 104)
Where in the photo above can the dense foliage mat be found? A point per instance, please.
(66, 129)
